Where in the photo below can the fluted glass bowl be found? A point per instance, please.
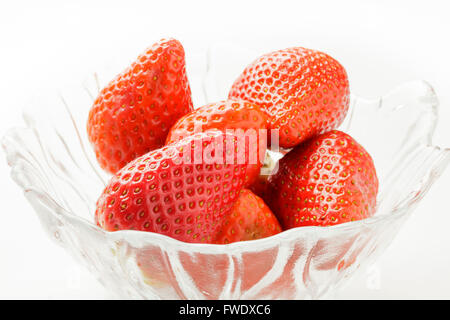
(51, 160)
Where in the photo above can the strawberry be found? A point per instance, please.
(260, 186)
(249, 219)
(327, 180)
(134, 112)
(181, 190)
(228, 115)
(305, 92)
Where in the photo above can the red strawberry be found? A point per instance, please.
(305, 92)
(181, 190)
(134, 112)
(327, 180)
(226, 115)
(249, 219)
(260, 186)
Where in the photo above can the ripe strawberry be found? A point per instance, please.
(181, 190)
(249, 219)
(327, 180)
(134, 112)
(226, 115)
(260, 186)
(305, 92)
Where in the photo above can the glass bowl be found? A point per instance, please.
(52, 161)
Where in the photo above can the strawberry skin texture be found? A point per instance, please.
(162, 192)
(260, 186)
(327, 180)
(250, 219)
(305, 92)
(223, 115)
(134, 112)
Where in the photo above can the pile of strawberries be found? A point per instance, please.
(195, 174)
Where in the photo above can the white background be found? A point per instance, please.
(46, 45)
